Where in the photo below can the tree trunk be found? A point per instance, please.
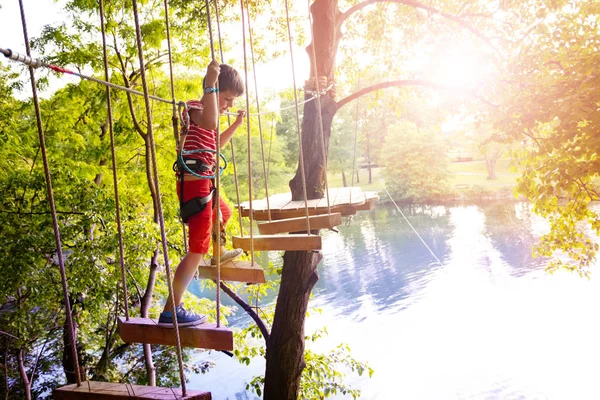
(357, 174)
(344, 182)
(285, 348)
(144, 308)
(67, 358)
(23, 374)
(369, 159)
(490, 163)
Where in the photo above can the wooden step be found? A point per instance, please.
(346, 200)
(298, 224)
(279, 242)
(117, 391)
(371, 199)
(146, 330)
(233, 270)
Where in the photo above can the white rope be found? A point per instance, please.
(413, 228)
(36, 63)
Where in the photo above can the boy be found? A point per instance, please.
(203, 121)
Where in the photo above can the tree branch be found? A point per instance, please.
(249, 310)
(123, 71)
(416, 4)
(403, 82)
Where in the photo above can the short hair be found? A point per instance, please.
(231, 80)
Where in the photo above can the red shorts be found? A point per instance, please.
(200, 225)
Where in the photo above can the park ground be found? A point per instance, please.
(468, 181)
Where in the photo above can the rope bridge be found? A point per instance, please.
(212, 336)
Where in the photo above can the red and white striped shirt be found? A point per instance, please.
(198, 138)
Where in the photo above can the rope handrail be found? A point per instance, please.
(248, 128)
(260, 131)
(301, 158)
(48, 178)
(36, 63)
(159, 209)
(217, 195)
(235, 174)
(319, 110)
(114, 163)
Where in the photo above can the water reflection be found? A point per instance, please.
(486, 323)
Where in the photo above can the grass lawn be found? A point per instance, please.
(464, 175)
(471, 173)
(335, 180)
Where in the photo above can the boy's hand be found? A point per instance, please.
(212, 74)
(240, 117)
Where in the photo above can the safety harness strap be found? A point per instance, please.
(194, 206)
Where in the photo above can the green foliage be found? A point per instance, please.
(551, 106)
(324, 374)
(416, 168)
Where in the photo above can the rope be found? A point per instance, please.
(262, 147)
(36, 63)
(114, 163)
(355, 138)
(161, 220)
(270, 145)
(319, 113)
(235, 176)
(216, 198)
(174, 118)
(301, 162)
(248, 128)
(412, 227)
(61, 264)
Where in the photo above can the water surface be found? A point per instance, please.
(483, 322)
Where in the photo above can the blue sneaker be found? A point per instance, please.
(184, 318)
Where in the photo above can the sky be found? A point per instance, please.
(271, 77)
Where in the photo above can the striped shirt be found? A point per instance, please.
(198, 138)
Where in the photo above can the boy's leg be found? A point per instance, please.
(199, 242)
(225, 215)
(183, 276)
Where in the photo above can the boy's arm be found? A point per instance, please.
(228, 133)
(208, 117)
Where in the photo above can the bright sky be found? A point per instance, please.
(453, 64)
(273, 76)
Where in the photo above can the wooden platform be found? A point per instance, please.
(146, 330)
(298, 224)
(278, 242)
(345, 201)
(236, 270)
(118, 391)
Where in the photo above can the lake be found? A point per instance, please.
(486, 322)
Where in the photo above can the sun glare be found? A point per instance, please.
(458, 67)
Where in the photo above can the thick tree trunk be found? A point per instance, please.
(67, 358)
(344, 182)
(285, 348)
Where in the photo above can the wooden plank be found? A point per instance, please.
(298, 224)
(349, 196)
(276, 202)
(123, 391)
(278, 242)
(333, 192)
(371, 199)
(233, 270)
(146, 330)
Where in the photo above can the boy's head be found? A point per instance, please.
(230, 87)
